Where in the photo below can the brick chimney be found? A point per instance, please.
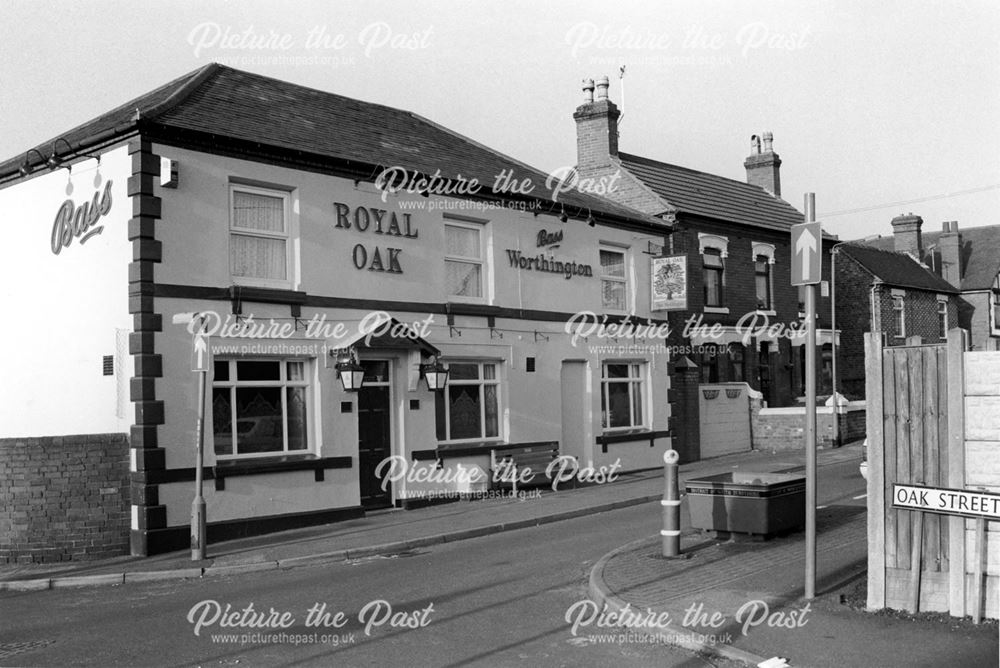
(596, 127)
(763, 166)
(950, 246)
(906, 235)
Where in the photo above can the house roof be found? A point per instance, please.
(229, 104)
(980, 252)
(895, 269)
(693, 192)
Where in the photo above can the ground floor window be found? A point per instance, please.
(259, 407)
(622, 394)
(469, 408)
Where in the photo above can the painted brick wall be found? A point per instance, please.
(785, 430)
(64, 498)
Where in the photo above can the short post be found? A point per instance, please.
(671, 503)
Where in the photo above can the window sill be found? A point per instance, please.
(768, 312)
(229, 468)
(470, 449)
(717, 309)
(629, 436)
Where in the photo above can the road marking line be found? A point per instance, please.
(821, 507)
(664, 532)
(859, 497)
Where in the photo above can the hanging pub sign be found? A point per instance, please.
(668, 276)
(80, 222)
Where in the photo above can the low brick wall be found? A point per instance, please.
(64, 498)
(783, 428)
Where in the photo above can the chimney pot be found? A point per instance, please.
(588, 91)
(906, 235)
(954, 226)
(945, 227)
(602, 88)
(764, 170)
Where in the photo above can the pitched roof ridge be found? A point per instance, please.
(639, 158)
(197, 78)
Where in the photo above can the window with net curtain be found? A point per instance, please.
(469, 408)
(259, 407)
(258, 239)
(614, 284)
(463, 261)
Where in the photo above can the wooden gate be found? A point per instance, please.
(918, 398)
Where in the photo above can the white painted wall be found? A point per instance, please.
(60, 314)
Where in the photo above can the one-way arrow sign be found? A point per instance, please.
(807, 258)
(199, 352)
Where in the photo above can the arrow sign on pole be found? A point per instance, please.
(807, 261)
(199, 352)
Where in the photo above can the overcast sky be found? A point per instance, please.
(871, 104)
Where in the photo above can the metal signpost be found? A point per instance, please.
(807, 265)
(200, 359)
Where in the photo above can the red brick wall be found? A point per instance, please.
(65, 498)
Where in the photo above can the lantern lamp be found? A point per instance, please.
(436, 375)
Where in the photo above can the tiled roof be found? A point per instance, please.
(232, 104)
(702, 194)
(980, 251)
(895, 269)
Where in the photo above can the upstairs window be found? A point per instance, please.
(464, 262)
(762, 281)
(713, 270)
(259, 243)
(614, 282)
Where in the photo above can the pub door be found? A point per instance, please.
(374, 433)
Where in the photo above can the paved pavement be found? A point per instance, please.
(721, 577)
(389, 531)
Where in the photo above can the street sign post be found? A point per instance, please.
(201, 356)
(807, 268)
(807, 252)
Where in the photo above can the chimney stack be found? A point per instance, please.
(596, 127)
(950, 246)
(906, 235)
(763, 167)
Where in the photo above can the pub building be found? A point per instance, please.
(361, 285)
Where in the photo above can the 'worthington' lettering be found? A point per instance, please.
(550, 264)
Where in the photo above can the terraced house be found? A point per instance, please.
(734, 240)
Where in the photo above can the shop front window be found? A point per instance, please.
(622, 395)
(259, 407)
(469, 408)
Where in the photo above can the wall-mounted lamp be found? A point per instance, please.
(54, 161)
(562, 215)
(435, 374)
(590, 218)
(26, 167)
(352, 374)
